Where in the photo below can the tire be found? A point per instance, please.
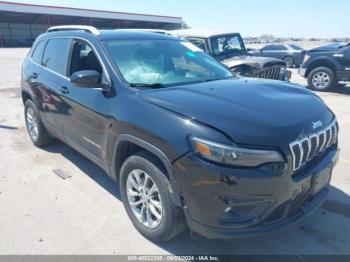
(171, 224)
(289, 61)
(36, 130)
(321, 79)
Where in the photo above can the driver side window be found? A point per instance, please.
(83, 58)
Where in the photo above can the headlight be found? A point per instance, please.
(283, 69)
(233, 155)
(306, 58)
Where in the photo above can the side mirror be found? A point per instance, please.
(86, 78)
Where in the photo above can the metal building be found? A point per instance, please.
(21, 23)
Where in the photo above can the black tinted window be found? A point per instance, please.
(38, 52)
(55, 55)
(200, 42)
(269, 47)
(83, 58)
(281, 47)
(296, 47)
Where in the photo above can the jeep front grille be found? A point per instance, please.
(303, 150)
(271, 72)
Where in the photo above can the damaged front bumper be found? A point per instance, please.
(222, 202)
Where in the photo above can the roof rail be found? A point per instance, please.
(90, 29)
(158, 31)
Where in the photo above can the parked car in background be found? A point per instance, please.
(324, 69)
(291, 54)
(229, 49)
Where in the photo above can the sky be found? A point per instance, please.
(281, 18)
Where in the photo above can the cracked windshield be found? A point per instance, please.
(161, 63)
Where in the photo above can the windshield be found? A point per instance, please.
(344, 45)
(228, 45)
(159, 63)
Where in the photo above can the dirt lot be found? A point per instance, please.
(42, 214)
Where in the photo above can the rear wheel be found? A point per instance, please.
(36, 130)
(321, 79)
(289, 61)
(148, 200)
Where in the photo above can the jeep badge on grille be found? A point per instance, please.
(317, 124)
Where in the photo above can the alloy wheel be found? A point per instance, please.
(289, 61)
(32, 123)
(144, 198)
(321, 80)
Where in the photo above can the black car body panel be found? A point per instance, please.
(328, 47)
(256, 106)
(337, 59)
(104, 121)
(261, 201)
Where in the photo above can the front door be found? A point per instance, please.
(87, 124)
(346, 63)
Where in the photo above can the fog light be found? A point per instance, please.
(243, 210)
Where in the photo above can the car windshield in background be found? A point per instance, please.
(345, 45)
(228, 45)
(160, 63)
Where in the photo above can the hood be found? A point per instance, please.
(327, 48)
(251, 112)
(323, 52)
(255, 61)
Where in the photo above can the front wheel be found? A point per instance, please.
(321, 79)
(289, 61)
(148, 200)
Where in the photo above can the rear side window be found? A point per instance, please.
(269, 47)
(281, 47)
(55, 55)
(38, 52)
(200, 42)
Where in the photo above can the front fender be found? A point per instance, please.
(321, 61)
(152, 149)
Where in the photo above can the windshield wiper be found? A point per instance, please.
(216, 79)
(154, 85)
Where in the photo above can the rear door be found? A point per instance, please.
(274, 51)
(50, 78)
(86, 127)
(268, 50)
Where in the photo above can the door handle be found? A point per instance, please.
(63, 90)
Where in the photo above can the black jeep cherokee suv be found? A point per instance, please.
(324, 68)
(188, 141)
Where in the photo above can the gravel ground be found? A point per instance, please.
(41, 213)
